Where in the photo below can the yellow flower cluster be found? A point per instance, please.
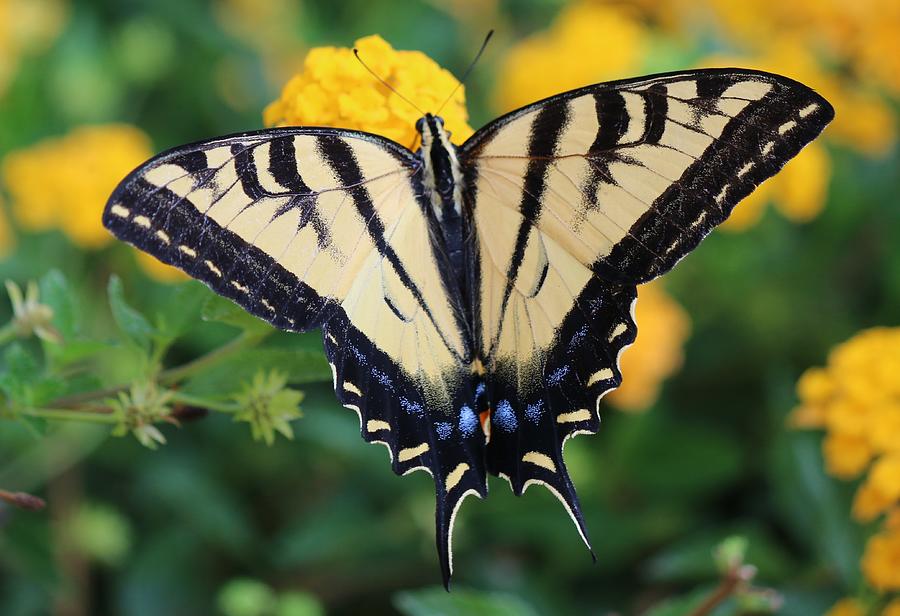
(663, 326)
(26, 26)
(63, 183)
(881, 560)
(856, 399)
(334, 89)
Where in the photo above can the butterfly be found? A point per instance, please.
(473, 300)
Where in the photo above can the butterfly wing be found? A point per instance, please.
(327, 228)
(582, 196)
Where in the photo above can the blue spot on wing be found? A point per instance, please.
(358, 355)
(578, 337)
(444, 430)
(504, 417)
(468, 421)
(413, 408)
(479, 390)
(558, 375)
(383, 378)
(533, 411)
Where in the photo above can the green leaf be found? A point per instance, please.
(218, 308)
(431, 601)
(24, 380)
(56, 293)
(71, 351)
(182, 310)
(133, 324)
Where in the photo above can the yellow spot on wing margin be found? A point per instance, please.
(455, 476)
(539, 459)
(600, 375)
(353, 389)
(412, 452)
(579, 415)
(120, 210)
(374, 425)
(142, 221)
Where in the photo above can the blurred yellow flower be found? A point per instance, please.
(26, 27)
(892, 608)
(334, 89)
(588, 42)
(881, 561)
(856, 399)
(663, 326)
(64, 182)
(846, 607)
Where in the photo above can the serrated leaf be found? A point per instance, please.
(432, 601)
(133, 324)
(217, 308)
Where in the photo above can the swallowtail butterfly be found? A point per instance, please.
(474, 300)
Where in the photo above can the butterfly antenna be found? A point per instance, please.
(385, 83)
(466, 73)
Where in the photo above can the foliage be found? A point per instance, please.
(97, 343)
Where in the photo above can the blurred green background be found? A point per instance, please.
(215, 522)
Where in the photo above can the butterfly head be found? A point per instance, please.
(431, 127)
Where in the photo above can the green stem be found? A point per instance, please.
(246, 340)
(173, 375)
(70, 415)
(205, 403)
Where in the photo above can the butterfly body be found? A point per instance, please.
(486, 288)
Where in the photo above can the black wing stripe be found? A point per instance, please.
(612, 118)
(545, 133)
(342, 160)
(657, 113)
(283, 166)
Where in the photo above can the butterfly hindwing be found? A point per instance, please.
(321, 227)
(582, 196)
